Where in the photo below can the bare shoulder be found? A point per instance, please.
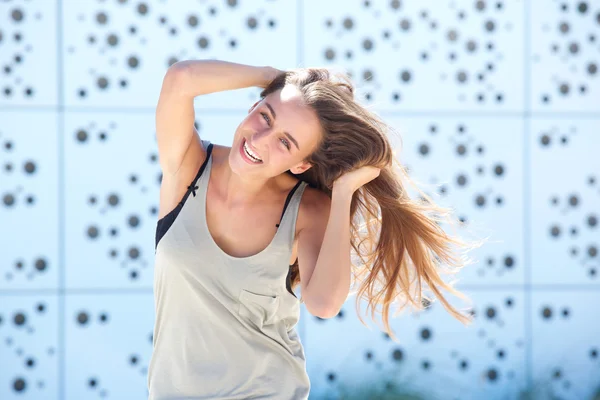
(314, 209)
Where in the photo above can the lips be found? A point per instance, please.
(244, 156)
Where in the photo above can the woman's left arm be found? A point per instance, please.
(324, 256)
(324, 248)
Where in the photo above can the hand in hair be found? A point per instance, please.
(353, 180)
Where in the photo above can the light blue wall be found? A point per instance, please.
(497, 104)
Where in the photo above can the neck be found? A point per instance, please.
(239, 190)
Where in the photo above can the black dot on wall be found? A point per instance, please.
(490, 312)
(547, 313)
(19, 385)
(203, 42)
(133, 62)
(113, 200)
(348, 23)
(29, 167)
(397, 355)
(464, 365)
(395, 4)
(367, 44)
(557, 373)
(19, 319)
(101, 18)
(82, 318)
(480, 201)
(574, 48)
(134, 253)
(452, 35)
(563, 27)
(102, 82)
(331, 377)
(405, 76)
(405, 24)
(40, 264)
(192, 21)
(252, 22)
(8, 200)
(112, 39)
(425, 334)
(81, 135)
(492, 374)
(142, 8)
(92, 232)
(133, 221)
(582, 7)
(425, 365)
(329, 54)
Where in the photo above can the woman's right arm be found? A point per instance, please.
(184, 80)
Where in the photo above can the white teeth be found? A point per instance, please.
(249, 152)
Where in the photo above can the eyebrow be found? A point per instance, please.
(286, 133)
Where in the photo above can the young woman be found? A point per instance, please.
(309, 178)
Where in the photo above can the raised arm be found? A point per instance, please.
(184, 80)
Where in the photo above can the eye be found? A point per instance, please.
(266, 117)
(285, 143)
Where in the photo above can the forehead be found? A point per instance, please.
(293, 116)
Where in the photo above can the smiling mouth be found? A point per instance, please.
(250, 154)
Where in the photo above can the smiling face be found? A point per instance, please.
(277, 135)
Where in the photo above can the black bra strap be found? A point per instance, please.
(287, 201)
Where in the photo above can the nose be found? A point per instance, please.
(260, 138)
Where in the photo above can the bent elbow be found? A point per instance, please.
(321, 309)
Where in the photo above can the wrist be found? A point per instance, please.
(268, 74)
(342, 190)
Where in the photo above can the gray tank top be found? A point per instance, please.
(225, 327)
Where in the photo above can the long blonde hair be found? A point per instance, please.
(396, 240)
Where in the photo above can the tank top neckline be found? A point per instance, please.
(262, 253)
